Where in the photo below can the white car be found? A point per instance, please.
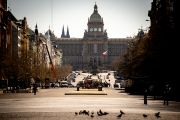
(57, 84)
(64, 84)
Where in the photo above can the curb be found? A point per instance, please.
(85, 94)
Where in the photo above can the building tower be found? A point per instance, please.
(67, 33)
(95, 26)
(63, 35)
(36, 30)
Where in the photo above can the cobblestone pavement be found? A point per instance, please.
(52, 104)
(56, 104)
(72, 116)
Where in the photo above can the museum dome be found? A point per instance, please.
(95, 17)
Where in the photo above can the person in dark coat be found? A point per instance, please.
(145, 96)
(166, 94)
(34, 88)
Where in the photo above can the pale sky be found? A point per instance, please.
(122, 18)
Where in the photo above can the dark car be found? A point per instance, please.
(116, 85)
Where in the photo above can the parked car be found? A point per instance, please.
(70, 85)
(119, 83)
(116, 85)
(64, 84)
(56, 84)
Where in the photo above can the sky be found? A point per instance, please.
(122, 18)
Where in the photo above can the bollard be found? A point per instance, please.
(78, 88)
(99, 88)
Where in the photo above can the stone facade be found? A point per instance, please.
(83, 53)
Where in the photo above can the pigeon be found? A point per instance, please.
(92, 116)
(119, 116)
(122, 112)
(105, 113)
(99, 114)
(85, 112)
(144, 115)
(76, 113)
(80, 112)
(157, 115)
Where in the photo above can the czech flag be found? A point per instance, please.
(105, 53)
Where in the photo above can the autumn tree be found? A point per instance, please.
(64, 71)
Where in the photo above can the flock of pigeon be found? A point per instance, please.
(101, 113)
(91, 114)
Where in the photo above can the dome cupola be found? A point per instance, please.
(95, 17)
(95, 27)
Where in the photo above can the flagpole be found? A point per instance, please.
(104, 55)
(104, 61)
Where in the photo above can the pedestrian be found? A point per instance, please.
(34, 88)
(166, 95)
(145, 97)
(109, 83)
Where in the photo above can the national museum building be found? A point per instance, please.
(94, 49)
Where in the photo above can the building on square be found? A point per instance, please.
(94, 49)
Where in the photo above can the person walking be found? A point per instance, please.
(34, 88)
(166, 94)
(145, 96)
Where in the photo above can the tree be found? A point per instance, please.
(64, 71)
(135, 61)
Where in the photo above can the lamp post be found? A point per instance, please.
(82, 61)
(147, 20)
(109, 84)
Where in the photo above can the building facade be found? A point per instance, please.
(165, 47)
(8, 41)
(95, 49)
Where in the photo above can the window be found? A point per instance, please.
(91, 29)
(95, 29)
(99, 29)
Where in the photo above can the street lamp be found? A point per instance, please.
(147, 20)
